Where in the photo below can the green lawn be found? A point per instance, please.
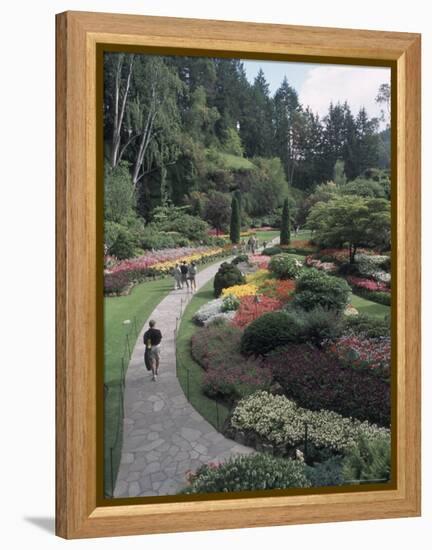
(369, 308)
(189, 373)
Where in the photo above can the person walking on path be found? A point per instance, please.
(192, 271)
(184, 274)
(177, 277)
(152, 339)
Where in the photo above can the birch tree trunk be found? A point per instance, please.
(119, 110)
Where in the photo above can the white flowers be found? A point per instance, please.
(281, 421)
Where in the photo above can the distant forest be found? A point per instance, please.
(184, 130)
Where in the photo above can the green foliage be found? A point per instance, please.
(233, 144)
(235, 225)
(283, 266)
(267, 187)
(285, 236)
(370, 327)
(316, 325)
(124, 245)
(227, 275)
(217, 210)
(272, 330)
(316, 288)
(240, 259)
(248, 473)
(175, 219)
(353, 221)
(369, 460)
(339, 176)
(271, 251)
(364, 188)
(327, 473)
(151, 238)
(119, 196)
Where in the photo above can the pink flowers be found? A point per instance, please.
(261, 261)
(357, 352)
(367, 284)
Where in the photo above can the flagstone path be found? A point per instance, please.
(164, 437)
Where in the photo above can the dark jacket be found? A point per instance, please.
(154, 335)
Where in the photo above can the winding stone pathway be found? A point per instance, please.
(164, 437)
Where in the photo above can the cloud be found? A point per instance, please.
(339, 83)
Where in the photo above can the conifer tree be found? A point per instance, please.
(285, 236)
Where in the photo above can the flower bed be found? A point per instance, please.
(249, 309)
(319, 379)
(228, 374)
(156, 263)
(273, 419)
(279, 290)
(329, 267)
(248, 473)
(367, 284)
(260, 261)
(372, 354)
(240, 290)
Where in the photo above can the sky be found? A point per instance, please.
(319, 84)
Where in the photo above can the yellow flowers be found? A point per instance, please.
(258, 278)
(240, 290)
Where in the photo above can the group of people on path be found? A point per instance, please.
(185, 274)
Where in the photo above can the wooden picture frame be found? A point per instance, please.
(79, 512)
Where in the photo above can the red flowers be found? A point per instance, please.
(278, 289)
(250, 309)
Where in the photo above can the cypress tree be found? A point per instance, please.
(235, 221)
(285, 236)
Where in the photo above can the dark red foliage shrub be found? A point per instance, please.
(114, 283)
(228, 374)
(317, 380)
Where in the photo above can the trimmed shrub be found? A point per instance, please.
(318, 324)
(271, 251)
(276, 420)
(316, 288)
(240, 259)
(284, 266)
(227, 275)
(369, 460)
(270, 331)
(317, 380)
(368, 327)
(248, 473)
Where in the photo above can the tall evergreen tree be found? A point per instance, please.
(285, 233)
(287, 116)
(235, 221)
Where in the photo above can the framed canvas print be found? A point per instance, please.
(238, 274)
